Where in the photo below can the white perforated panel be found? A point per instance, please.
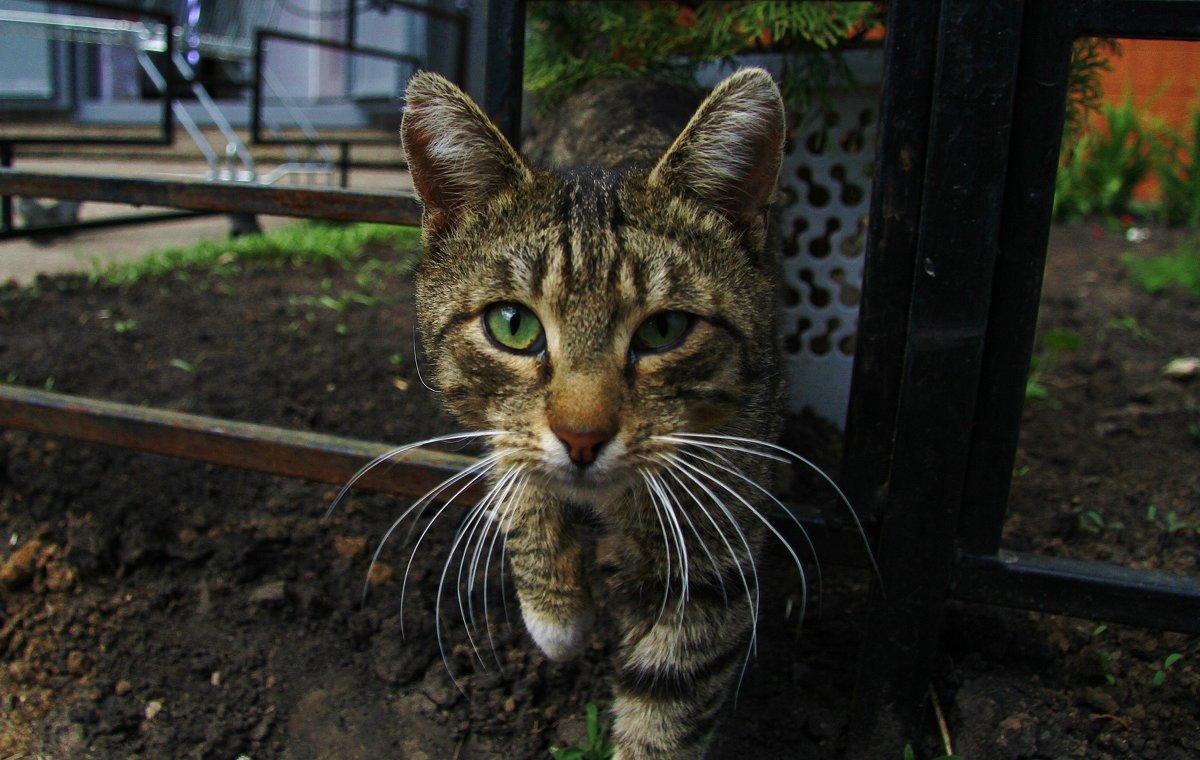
(826, 189)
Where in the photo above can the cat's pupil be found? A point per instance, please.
(662, 325)
(514, 322)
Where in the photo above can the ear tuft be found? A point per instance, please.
(728, 155)
(457, 157)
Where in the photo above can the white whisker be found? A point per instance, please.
(476, 472)
(699, 471)
(465, 532)
(708, 438)
(500, 521)
(666, 547)
(393, 453)
(753, 594)
(729, 468)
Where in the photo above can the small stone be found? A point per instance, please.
(122, 688)
(510, 705)
(1100, 700)
(350, 547)
(19, 568)
(153, 708)
(1183, 368)
(380, 573)
(271, 593)
(76, 663)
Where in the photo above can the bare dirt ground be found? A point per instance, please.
(153, 608)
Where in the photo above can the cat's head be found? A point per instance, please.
(589, 314)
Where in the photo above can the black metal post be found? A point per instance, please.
(1038, 118)
(947, 320)
(505, 66)
(911, 46)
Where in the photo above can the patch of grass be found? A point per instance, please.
(307, 241)
(597, 746)
(1156, 273)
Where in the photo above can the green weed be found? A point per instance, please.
(1161, 674)
(184, 365)
(1050, 347)
(597, 746)
(1156, 273)
(1128, 323)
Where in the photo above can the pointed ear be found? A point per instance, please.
(728, 155)
(457, 157)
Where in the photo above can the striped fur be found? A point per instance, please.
(595, 254)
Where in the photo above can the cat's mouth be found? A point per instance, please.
(595, 485)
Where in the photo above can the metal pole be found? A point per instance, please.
(505, 66)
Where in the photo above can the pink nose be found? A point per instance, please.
(583, 445)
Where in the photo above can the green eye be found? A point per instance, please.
(514, 327)
(662, 331)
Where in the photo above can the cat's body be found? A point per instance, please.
(614, 329)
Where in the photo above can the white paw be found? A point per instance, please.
(559, 642)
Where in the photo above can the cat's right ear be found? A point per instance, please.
(457, 157)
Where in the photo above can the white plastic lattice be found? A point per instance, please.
(826, 187)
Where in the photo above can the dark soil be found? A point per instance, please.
(164, 609)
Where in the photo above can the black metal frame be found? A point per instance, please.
(166, 124)
(263, 37)
(971, 124)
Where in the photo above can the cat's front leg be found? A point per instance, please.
(679, 658)
(548, 571)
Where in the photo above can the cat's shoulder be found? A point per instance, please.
(614, 123)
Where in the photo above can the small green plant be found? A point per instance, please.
(1179, 268)
(597, 746)
(1161, 674)
(1050, 347)
(396, 360)
(124, 325)
(184, 365)
(1104, 658)
(1129, 323)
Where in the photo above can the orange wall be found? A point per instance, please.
(1165, 74)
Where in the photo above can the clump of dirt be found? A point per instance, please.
(159, 608)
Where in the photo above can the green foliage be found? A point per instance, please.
(597, 747)
(1177, 167)
(1179, 268)
(572, 42)
(1100, 169)
(307, 241)
(1089, 59)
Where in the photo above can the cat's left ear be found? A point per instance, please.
(457, 157)
(728, 156)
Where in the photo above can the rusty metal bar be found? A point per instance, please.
(262, 448)
(225, 197)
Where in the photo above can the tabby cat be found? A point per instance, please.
(611, 333)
